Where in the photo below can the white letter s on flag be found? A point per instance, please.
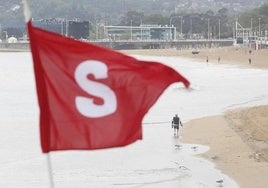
(86, 105)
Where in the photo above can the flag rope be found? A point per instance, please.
(160, 122)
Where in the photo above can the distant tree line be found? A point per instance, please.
(218, 24)
(209, 24)
(257, 19)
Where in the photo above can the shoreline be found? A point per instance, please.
(237, 148)
(13, 50)
(238, 139)
(245, 57)
(221, 55)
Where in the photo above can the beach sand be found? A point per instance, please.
(238, 140)
(238, 143)
(227, 55)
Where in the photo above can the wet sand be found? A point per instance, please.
(238, 143)
(238, 140)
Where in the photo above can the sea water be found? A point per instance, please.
(159, 160)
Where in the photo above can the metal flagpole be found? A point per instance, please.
(27, 16)
(50, 171)
(26, 10)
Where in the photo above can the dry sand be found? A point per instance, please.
(238, 140)
(238, 144)
(228, 55)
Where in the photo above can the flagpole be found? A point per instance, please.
(26, 11)
(50, 171)
(27, 16)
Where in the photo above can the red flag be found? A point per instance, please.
(91, 97)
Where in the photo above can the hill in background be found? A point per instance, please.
(112, 10)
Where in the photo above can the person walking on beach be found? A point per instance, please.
(249, 61)
(176, 122)
(219, 59)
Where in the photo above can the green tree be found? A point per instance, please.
(156, 19)
(257, 18)
(133, 18)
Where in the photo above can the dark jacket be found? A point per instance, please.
(176, 120)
